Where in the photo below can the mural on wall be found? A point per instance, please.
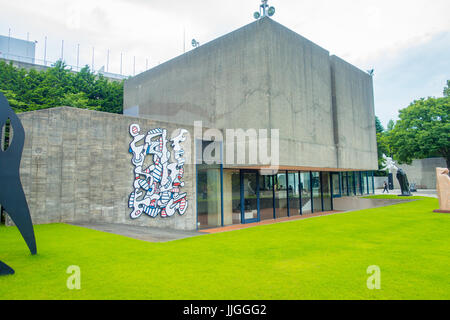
(157, 182)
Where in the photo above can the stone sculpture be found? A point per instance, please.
(401, 175)
(443, 190)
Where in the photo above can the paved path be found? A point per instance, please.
(420, 192)
(149, 234)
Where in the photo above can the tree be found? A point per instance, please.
(378, 126)
(381, 148)
(447, 89)
(29, 90)
(423, 131)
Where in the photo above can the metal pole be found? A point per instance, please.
(28, 39)
(78, 57)
(107, 62)
(121, 56)
(45, 51)
(62, 50)
(184, 40)
(134, 65)
(264, 6)
(9, 40)
(146, 64)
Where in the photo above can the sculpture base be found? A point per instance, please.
(441, 211)
(5, 269)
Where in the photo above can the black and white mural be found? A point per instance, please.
(158, 180)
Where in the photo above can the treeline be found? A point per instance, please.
(422, 131)
(28, 90)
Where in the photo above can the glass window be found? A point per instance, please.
(281, 195)
(344, 184)
(372, 184)
(317, 198)
(294, 201)
(208, 198)
(305, 190)
(358, 182)
(326, 190)
(336, 184)
(250, 185)
(351, 183)
(364, 182)
(231, 197)
(266, 197)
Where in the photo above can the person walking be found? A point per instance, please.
(385, 187)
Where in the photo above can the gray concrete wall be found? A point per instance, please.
(379, 182)
(422, 172)
(76, 167)
(354, 116)
(263, 76)
(299, 98)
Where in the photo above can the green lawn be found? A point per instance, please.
(319, 258)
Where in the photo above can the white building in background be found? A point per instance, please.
(17, 49)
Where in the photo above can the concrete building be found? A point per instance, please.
(265, 76)
(152, 166)
(17, 50)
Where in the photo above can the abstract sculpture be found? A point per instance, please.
(401, 176)
(157, 187)
(12, 197)
(443, 190)
(404, 183)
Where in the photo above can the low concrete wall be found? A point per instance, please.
(422, 172)
(76, 167)
(379, 182)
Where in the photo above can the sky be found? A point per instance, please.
(406, 42)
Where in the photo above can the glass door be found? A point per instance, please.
(249, 196)
(337, 192)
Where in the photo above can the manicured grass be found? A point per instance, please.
(319, 258)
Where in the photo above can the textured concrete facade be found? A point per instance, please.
(76, 167)
(265, 76)
(354, 116)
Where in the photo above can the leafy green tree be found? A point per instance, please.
(29, 90)
(391, 125)
(78, 100)
(423, 130)
(447, 89)
(378, 126)
(381, 148)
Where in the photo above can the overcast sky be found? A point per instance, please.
(407, 42)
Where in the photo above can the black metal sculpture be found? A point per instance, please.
(12, 197)
(403, 181)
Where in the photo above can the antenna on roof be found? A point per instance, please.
(195, 43)
(264, 10)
